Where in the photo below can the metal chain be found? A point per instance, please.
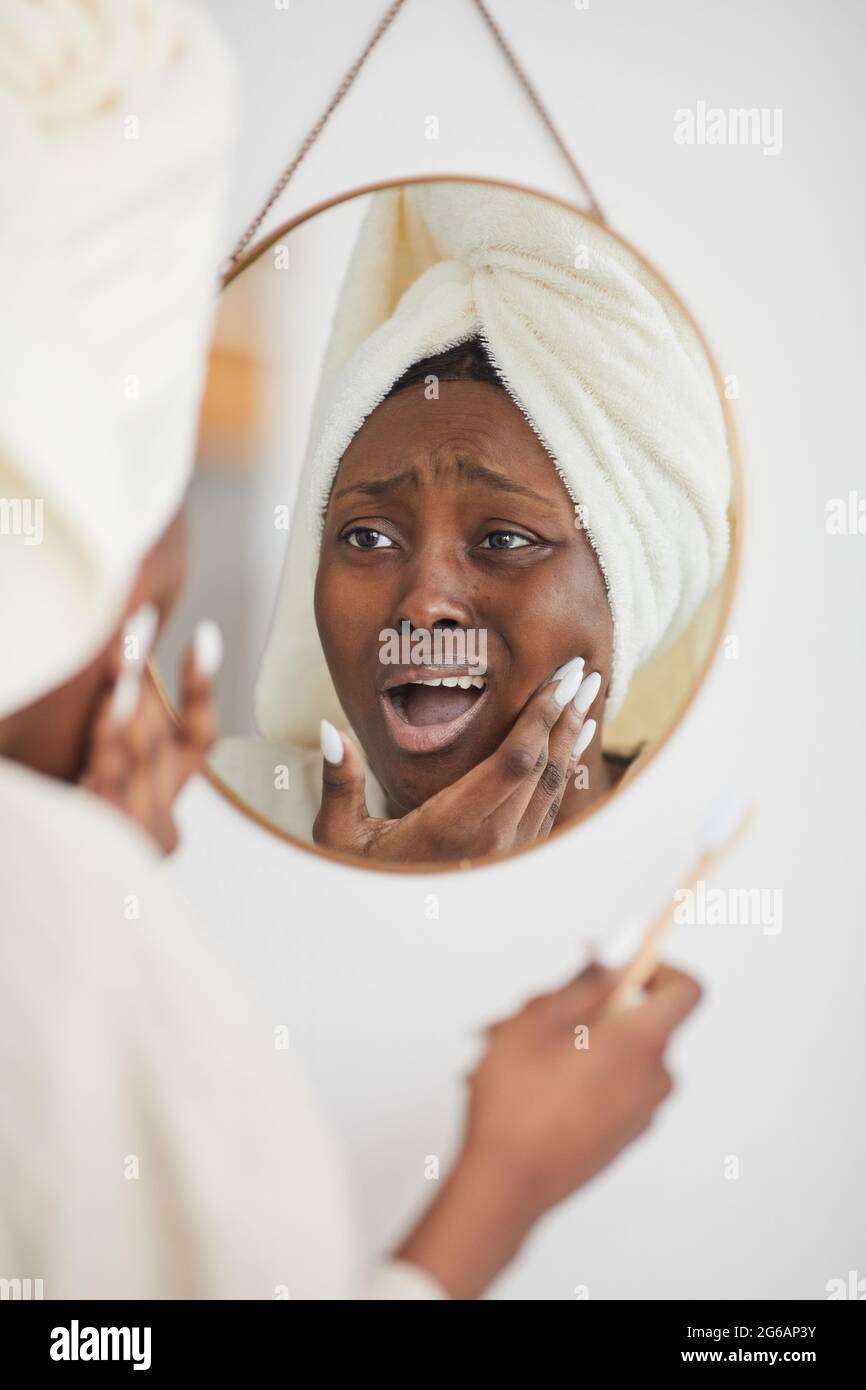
(316, 131)
(384, 23)
(527, 86)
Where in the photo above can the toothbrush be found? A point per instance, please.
(723, 829)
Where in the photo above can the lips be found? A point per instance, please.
(431, 709)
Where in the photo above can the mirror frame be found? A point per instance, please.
(730, 581)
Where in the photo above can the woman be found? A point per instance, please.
(186, 1160)
(548, 481)
(152, 1141)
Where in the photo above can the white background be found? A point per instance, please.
(382, 1002)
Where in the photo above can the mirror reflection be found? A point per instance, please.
(464, 510)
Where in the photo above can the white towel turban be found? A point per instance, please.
(115, 118)
(597, 354)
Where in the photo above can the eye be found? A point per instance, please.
(365, 538)
(504, 540)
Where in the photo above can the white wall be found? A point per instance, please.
(381, 1002)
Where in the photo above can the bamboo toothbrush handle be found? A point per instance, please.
(645, 959)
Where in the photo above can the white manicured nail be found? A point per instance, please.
(569, 683)
(124, 702)
(584, 738)
(208, 646)
(587, 693)
(561, 670)
(139, 632)
(332, 744)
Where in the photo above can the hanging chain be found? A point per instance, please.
(389, 15)
(527, 86)
(384, 23)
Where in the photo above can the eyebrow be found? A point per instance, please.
(380, 487)
(471, 470)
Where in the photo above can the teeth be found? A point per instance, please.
(465, 682)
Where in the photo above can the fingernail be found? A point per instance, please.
(617, 949)
(139, 632)
(587, 693)
(561, 670)
(208, 647)
(124, 702)
(332, 744)
(584, 738)
(568, 684)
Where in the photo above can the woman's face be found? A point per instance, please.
(448, 513)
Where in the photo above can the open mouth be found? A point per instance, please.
(425, 714)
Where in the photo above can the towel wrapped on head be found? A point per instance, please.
(597, 354)
(115, 119)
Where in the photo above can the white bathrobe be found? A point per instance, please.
(155, 1138)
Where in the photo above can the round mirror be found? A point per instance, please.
(466, 509)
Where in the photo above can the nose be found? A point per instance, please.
(436, 591)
